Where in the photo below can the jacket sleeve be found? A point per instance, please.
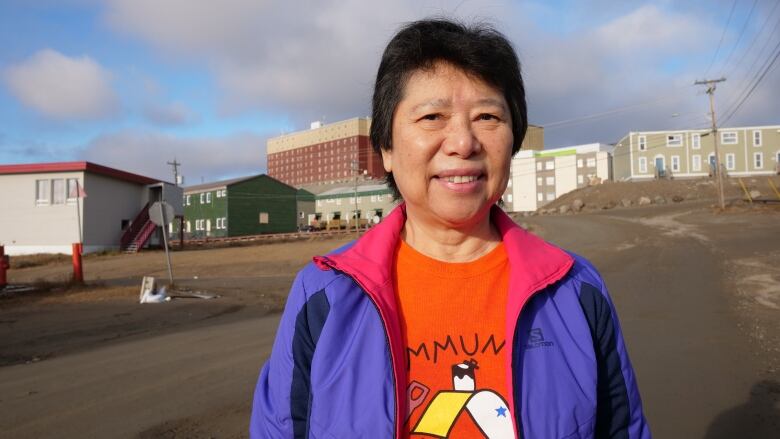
(619, 406)
(272, 404)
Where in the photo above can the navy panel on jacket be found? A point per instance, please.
(308, 327)
(612, 412)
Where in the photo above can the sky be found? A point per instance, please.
(134, 84)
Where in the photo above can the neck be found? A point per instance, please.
(460, 243)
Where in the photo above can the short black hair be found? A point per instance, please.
(478, 49)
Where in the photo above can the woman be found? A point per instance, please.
(447, 307)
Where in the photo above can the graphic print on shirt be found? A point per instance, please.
(487, 409)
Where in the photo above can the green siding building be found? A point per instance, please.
(243, 206)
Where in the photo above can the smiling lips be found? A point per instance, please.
(461, 178)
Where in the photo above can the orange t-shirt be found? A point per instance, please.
(453, 317)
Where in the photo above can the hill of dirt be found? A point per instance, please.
(610, 194)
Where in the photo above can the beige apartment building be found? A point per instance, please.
(744, 151)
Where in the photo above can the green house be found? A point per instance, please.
(251, 205)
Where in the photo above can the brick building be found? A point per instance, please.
(325, 154)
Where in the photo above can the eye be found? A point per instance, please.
(487, 116)
(432, 116)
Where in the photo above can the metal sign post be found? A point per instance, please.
(161, 214)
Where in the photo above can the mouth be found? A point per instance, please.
(460, 179)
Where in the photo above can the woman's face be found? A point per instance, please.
(452, 146)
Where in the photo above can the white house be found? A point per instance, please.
(538, 177)
(41, 211)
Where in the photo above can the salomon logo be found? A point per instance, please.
(536, 339)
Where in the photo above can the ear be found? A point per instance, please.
(387, 159)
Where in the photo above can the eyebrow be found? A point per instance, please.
(441, 103)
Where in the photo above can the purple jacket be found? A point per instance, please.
(337, 369)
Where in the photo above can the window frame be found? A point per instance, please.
(733, 161)
(760, 138)
(729, 133)
(642, 143)
(642, 165)
(696, 141)
(678, 143)
(43, 183)
(758, 164)
(675, 163)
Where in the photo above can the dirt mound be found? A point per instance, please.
(625, 194)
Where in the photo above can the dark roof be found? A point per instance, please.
(225, 183)
(37, 168)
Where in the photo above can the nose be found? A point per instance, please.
(460, 138)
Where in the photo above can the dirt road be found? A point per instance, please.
(697, 295)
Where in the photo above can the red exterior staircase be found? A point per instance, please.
(138, 233)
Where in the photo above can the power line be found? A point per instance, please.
(755, 38)
(741, 33)
(722, 36)
(757, 82)
(607, 113)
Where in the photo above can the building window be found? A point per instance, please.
(758, 160)
(696, 141)
(592, 163)
(208, 197)
(757, 138)
(580, 179)
(319, 203)
(539, 196)
(549, 165)
(579, 163)
(58, 191)
(674, 140)
(696, 163)
(188, 199)
(731, 163)
(643, 165)
(73, 189)
(202, 198)
(675, 163)
(642, 143)
(539, 181)
(550, 196)
(263, 217)
(538, 166)
(42, 192)
(189, 227)
(549, 181)
(728, 137)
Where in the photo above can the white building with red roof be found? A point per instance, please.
(47, 207)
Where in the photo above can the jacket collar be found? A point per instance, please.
(535, 263)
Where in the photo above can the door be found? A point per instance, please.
(659, 167)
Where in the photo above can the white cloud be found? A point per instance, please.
(62, 87)
(145, 152)
(175, 113)
(320, 58)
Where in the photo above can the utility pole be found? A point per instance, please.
(710, 83)
(354, 167)
(175, 165)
